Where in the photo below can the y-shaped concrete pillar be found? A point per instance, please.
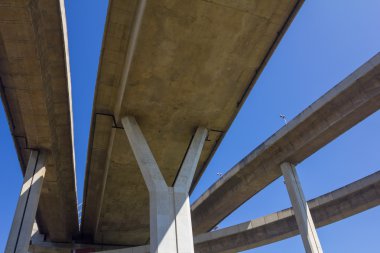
(301, 210)
(21, 230)
(170, 218)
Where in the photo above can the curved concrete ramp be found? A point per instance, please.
(348, 103)
(175, 66)
(36, 93)
(326, 209)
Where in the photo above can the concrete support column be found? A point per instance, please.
(301, 210)
(170, 217)
(23, 221)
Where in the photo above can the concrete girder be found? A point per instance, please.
(127, 66)
(129, 56)
(35, 89)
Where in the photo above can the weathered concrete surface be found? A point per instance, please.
(349, 102)
(170, 217)
(36, 93)
(194, 64)
(25, 213)
(326, 209)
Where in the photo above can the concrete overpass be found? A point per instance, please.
(169, 73)
(36, 94)
(174, 65)
(349, 102)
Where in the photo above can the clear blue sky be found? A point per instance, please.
(326, 42)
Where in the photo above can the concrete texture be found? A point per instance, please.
(24, 218)
(326, 209)
(193, 64)
(36, 93)
(170, 218)
(334, 206)
(345, 105)
(301, 210)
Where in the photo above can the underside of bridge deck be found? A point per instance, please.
(36, 93)
(174, 65)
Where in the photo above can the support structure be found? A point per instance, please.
(301, 209)
(23, 221)
(170, 217)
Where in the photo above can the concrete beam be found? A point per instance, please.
(24, 218)
(301, 209)
(129, 56)
(35, 88)
(345, 105)
(334, 206)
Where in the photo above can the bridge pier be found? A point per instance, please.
(301, 209)
(23, 220)
(170, 217)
